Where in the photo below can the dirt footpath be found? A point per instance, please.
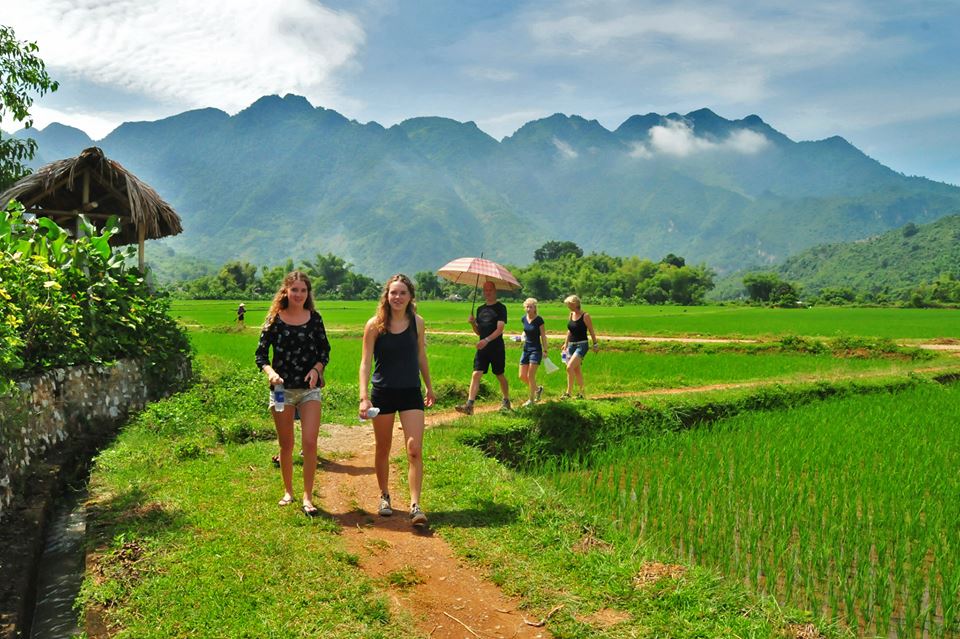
(445, 597)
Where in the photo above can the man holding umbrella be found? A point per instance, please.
(488, 325)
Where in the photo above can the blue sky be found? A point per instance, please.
(880, 73)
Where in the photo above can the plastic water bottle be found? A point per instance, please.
(372, 412)
(518, 338)
(564, 356)
(278, 398)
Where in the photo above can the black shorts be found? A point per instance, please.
(492, 356)
(393, 400)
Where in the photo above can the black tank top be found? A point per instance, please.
(578, 330)
(395, 355)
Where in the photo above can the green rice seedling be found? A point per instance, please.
(708, 321)
(846, 507)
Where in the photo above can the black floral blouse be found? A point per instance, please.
(296, 349)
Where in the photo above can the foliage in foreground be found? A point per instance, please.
(66, 301)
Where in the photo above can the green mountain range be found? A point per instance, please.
(283, 178)
(893, 261)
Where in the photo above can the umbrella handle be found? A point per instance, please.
(475, 286)
(473, 302)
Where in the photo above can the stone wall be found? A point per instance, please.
(59, 404)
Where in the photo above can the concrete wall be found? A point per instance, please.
(62, 403)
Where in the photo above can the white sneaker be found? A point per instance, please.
(385, 510)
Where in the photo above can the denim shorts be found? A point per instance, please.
(531, 356)
(296, 396)
(578, 348)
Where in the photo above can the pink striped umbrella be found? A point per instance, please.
(476, 271)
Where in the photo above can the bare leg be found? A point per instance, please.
(523, 373)
(309, 428)
(532, 381)
(504, 386)
(474, 385)
(413, 425)
(383, 434)
(575, 367)
(284, 425)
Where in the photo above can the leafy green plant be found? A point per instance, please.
(67, 301)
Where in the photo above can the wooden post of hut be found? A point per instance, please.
(65, 189)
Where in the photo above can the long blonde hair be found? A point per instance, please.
(280, 300)
(573, 299)
(383, 308)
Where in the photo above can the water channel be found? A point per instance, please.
(60, 569)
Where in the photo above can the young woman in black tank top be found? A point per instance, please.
(576, 345)
(393, 341)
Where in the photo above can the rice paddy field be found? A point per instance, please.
(848, 508)
(845, 507)
(660, 321)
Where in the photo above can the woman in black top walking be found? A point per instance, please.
(393, 339)
(300, 354)
(576, 345)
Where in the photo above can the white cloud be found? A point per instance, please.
(640, 150)
(746, 141)
(677, 138)
(800, 35)
(721, 52)
(223, 53)
(565, 149)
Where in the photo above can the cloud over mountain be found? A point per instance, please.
(677, 138)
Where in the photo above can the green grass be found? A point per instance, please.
(198, 546)
(618, 368)
(548, 549)
(191, 542)
(813, 505)
(706, 321)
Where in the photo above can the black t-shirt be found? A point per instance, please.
(487, 317)
(531, 332)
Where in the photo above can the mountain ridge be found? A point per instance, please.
(730, 193)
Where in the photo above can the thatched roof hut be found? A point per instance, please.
(97, 187)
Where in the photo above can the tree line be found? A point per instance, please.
(770, 288)
(558, 269)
